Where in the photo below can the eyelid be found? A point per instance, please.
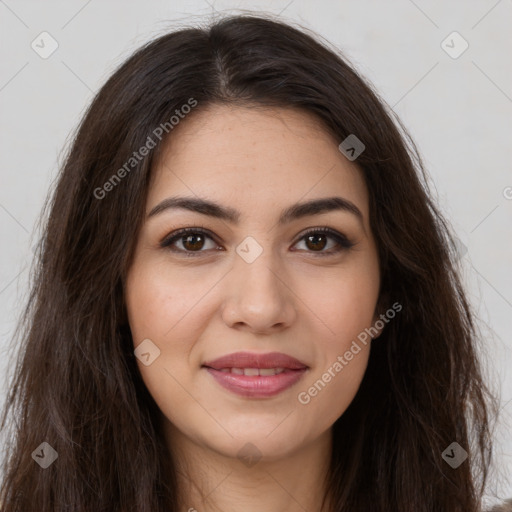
(181, 232)
(343, 242)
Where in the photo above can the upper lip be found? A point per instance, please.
(252, 360)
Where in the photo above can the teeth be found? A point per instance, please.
(253, 371)
(267, 371)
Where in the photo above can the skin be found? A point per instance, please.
(290, 299)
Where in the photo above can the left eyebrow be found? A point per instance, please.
(293, 212)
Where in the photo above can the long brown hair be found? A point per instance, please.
(76, 385)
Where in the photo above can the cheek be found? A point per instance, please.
(346, 307)
(326, 395)
(345, 304)
(160, 301)
(164, 306)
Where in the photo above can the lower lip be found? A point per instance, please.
(257, 386)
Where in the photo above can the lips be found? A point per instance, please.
(256, 375)
(244, 360)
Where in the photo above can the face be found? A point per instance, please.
(254, 274)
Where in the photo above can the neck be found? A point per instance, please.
(213, 482)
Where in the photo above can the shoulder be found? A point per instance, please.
(506, 506)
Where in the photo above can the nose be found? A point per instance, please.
(258, 298)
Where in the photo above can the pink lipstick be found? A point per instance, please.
(256, 375)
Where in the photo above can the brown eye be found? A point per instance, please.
(192, 240)
(316, 240)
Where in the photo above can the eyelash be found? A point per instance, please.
(344, 244)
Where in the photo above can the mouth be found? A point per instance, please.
(254, 371)
(256, 375)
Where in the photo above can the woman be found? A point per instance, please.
(246, 298)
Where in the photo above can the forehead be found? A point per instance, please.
(254, 156)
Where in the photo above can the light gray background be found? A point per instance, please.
(457, 109)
